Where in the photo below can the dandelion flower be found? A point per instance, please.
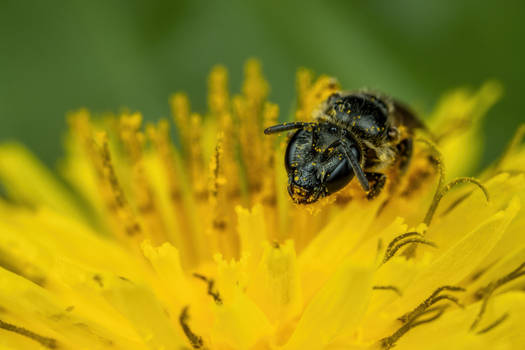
(198, 245)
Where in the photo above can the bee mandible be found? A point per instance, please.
(357, 134)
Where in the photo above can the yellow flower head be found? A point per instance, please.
(199, 246)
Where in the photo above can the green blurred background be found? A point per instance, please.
(57, 56)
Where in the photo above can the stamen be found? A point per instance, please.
(402, 236)
(455, 203)
(431, 300)
(389, 342)
(441, 189)
(222, 216)
(215, 178)
(392, 288)
(440, 310)
(268, 193)
(47, 342)
(180, 108)
(248, 110)
(218, 95)
(118, 201)
(408, 241)
(445, 189)
(211, 283)
(160, 137)
(437, 160)
(196, 162)
(255, 88)
(494, 324)
(400, 241)
(319, 91)
(133, 140)
(195, 340)
(487, 291)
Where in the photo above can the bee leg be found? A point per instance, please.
(404, 149)
(377, 182)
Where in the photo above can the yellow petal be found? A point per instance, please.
(36, 305)
(275, 285)
(460, 114)
(252, 233)
(333, 243)
(26, 179)
(460, 259)
(336, 308)
(239, 323)
(140, 306)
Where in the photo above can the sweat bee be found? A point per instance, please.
(357, 134)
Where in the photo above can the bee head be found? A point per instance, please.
(315, 168)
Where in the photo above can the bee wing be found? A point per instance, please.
(404, 116)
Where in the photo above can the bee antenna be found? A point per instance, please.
(356, 167)
(286, 126)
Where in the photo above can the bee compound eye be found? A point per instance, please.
(339, 177)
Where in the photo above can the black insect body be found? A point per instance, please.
(354, 134)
